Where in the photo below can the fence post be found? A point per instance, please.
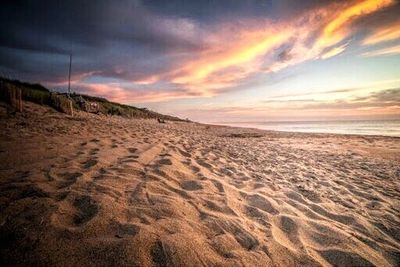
(70, 108)
(19, 99)
(12, 97)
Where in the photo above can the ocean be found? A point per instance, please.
(364, 127)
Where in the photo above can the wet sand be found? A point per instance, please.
(93, 190)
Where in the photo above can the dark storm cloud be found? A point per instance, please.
(48, 24)
(211, 10)
(114, 38)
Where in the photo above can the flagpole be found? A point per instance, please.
(69, 74)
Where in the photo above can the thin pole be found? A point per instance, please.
(69, 74)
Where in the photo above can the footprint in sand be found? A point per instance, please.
(69, 179)
(218, 185)
(126, 230)
(261, 203)
(342, 258)
(165, 162)
(219, 207)
(183, 153)
(27, 191)
(191, 185)
(194, 168)
(132, 149)
(243, 237)
(94, 151)
(129, 159)
(114, 143)
(86, 209)
(90, 163)
(159, 254)
(204, 164)
(254, 213)
(101, 174)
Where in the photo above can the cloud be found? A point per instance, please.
(383, 34)
(228, 59)
(172, 48)
(391, 95)
(382, 104)
(334, 51)
(120, 94)
(320, 32)
(118, 39)
(392, 50)
(338, 27)
(385, 98)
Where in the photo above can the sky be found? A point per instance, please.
(214, 61)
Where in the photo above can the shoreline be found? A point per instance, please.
(320, 134)
(253, 126)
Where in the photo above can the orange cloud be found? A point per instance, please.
(393, 50)
(384, 34)
(75, 79)
(335, 20)
(225, 63)
(148, 80)
(337, 29)
(250, 47)
(116, 93)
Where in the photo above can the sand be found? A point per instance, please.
(93, 190)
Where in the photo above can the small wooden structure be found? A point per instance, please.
(69, 109)
(92, 107)
(62, 103)
(13, 96)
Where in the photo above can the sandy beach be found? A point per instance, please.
(95, 190)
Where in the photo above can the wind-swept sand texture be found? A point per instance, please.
(100, 191)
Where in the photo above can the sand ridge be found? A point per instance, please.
(97, 190)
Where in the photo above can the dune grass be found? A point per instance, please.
(37, 93)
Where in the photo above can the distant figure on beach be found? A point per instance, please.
(160, 120)
(81, 102)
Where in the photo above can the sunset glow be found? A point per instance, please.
(181, 63)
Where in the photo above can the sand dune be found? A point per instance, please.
(94, 190)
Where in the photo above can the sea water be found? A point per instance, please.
(365, 127)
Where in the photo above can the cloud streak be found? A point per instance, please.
(334, 51)
(384, 34)
(385, 103)
(388, 51)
